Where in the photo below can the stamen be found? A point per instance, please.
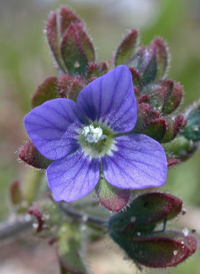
(92, 134)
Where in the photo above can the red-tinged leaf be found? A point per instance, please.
(162, 57)
(157, 252)
(46, 91)
(111, 197)
(96, 71)
(138, 62)
(153, 114)
(127, 48)
(53, 39)
(144, 211)
(174, 99)
(31, 156)
(173, 127)
(156, 129)
(135, 76)
(77, 50)
(142, 117)
(69, 86)
(64, 84)
(66, 17)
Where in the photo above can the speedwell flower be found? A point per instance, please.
(94, 135)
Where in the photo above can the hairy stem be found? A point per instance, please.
(82, 217)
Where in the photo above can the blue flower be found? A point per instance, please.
(93, 136)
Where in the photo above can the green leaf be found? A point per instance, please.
(77, 50)
(127, 48)
(192, 128)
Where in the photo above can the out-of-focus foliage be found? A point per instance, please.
(25, 63)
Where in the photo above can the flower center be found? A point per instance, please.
(96, 140)
(92, 134)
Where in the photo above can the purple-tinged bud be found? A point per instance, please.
(16, 193)
(69, 86)
(66, 17)
(143, 99)
(127, 48)
(172, 161)
(95, 70)
(31, 156)
(111, 197)
(77, 50)
(156, 129)
(162, 57)
(173, 100)
(46, 91)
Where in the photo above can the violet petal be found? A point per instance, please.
(111, 99)
(73, 177)
(139, 162)
(52, 127)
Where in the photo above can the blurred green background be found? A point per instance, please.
(25, 61)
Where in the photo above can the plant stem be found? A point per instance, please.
(14, 226)
(83, 217)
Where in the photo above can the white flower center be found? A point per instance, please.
(92, 134)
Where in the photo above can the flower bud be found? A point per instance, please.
(31, 156)
(111, 197)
